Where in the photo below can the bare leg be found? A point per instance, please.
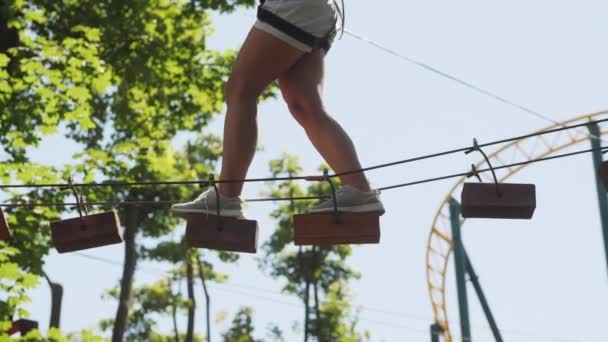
(261, 60)
(302, 87)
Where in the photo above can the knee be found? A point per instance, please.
(239, 90)
(307, 110)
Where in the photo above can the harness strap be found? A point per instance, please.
(292, 30)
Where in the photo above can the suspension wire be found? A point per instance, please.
(275, 199)
(435, 179)
(151, 183)
(464, 149)
(292, 178)
(448, 76)
(455, 79)
(151, 203)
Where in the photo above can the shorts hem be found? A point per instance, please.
(266, 27)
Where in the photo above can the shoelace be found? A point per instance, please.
(203, 198)
(339, 192)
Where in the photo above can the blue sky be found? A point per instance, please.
(545, 279)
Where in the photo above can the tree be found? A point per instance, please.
(121, 79)
(190, 263)
(15, 283)
(242, 327)
(317, 275)
(149, 301)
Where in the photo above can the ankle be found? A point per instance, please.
(363, 187)
(229, 192)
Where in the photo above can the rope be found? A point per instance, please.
(292, 178)
(455, 79)
(274, 199)
(559, 156)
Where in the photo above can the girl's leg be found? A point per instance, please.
(261, 60)
(302, 87)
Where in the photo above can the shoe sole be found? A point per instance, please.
(224, 212)
(364, 208)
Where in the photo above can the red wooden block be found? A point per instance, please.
(5, 231)
(22, 326)
(480, 200)
(604, 174)
(236, 235)
(90, 231)
(322, 228)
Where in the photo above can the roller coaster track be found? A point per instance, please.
(439, 246)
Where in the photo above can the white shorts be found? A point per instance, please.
(318, 18)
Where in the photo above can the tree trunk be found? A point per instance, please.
(317, 310)
(56, 299)
(307, 312)
(292, 208)
(201, 274)
(306, 295)
(9, 37)
(192, 307)
(315, 265)
(128, 273)
(175, 330)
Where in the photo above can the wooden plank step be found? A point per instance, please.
(5, 231)
(322, 229)
(90, 231)
(480, 200)
(235, 235)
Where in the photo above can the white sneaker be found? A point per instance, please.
(351, 199)
(206, 203)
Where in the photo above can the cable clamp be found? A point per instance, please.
(327, 178)
(213, 183)
(474, 172)
(80, 201)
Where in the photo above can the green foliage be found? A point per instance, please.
(29, 227)
(149, 303)
(276, 334)
(223, 5)
(141, 66)
(323, 265)
(14, 284)
(120, 79)
(84, 336)
(155, 337)
(55, 335)
(153, 302)
(336, 316)
(242, 327)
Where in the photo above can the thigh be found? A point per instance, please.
(262, 59)
(303, 82)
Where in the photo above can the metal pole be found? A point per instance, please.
(594, 129)
(460, 266)
(482, 298)
(435, 332)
